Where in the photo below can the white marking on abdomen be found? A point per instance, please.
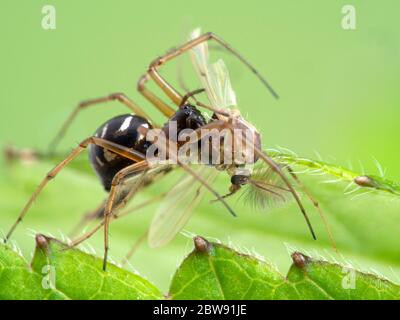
(104, 131)
(125, 124)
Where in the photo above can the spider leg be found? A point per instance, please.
(190, 94)
(116, 148)
(141, 166)
(316, 205)
(87, 103)
(168, 89)
(164, 108)
(161, 143)
(115, 216)
(98, 213)
(278, 170)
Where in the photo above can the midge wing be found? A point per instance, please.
(214, 77)
(126, 191)
(177, 207)
(137, 182)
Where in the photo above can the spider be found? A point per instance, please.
(118, 151)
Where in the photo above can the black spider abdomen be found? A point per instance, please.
(122, 130)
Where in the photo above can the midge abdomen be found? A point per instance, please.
(122, 130)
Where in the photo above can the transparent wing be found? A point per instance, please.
(214, 77)
(125, 193)
(135, 183)
(177, 207)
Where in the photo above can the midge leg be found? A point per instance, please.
(98, 213)
(116, 216)
(84, 104)
(134, 248)
(87, 218)
(118, 149)
(172, 93)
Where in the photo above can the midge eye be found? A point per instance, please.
(239, 179)
(187, 109)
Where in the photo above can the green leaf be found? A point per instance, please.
(214, 271)
(18, 282)
(340, 173)
(364, 227)
(315, 279)
(80, 275)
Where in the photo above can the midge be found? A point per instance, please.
(118, 149)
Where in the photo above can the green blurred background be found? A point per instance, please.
(339, 97)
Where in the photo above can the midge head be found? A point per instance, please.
(240, 179)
